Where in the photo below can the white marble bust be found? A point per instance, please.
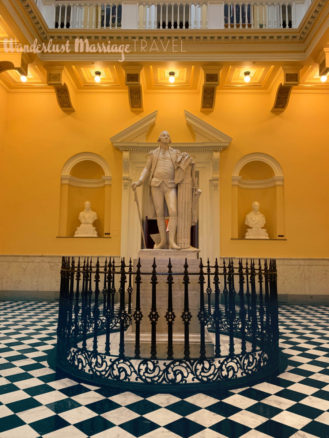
(255, 221)
(87, 217)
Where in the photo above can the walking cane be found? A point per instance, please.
(140, 217)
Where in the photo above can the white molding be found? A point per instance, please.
(257, 183)
(258, 156)
(89, 183)
(189, 147)
(85, 156)
(134, 131)
(209, 139)
(208, 132)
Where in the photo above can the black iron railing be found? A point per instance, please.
(101, 304)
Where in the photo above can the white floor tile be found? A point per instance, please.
(161, 432)
(4, 381)
(4, 411)
(255, 434)
(248, 419)
(76, 415)
(316, 402)
(291, 419)
(126, 398)
(208, 433)
(268, 387)
(35, 414)
(20, 432)
(239, 401)
(205, 417)
(201, 400)
(278, 402)
(162, 416)
(114, 432)
(29, 383)
(120, 415)
(291, 377)
(50, 397)
(323, 418)
(66, 432)
(62, 383)
(88, 397)
(303, 389)
(302, 434)
(13, 396)
(163, 399)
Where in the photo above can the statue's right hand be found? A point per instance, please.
(135, 184)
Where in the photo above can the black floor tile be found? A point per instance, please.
(183, 408)
(49, 424)
(275, 429)
(63, 405)
(139, 426)
(24, 405)
(102, 406)
(230, 428)
(94, 425)
(318, 429)
(10, 422)
(184, 427)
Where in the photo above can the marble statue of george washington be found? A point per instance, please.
(170, 175)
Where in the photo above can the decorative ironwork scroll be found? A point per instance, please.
(237, 308)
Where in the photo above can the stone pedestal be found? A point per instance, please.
(177, 258)
(86, 230)
(256, 233)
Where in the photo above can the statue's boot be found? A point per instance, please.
(172, 233)
(162, 231)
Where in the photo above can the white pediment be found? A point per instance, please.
(207, 138)
(204, 132)
(137, 132)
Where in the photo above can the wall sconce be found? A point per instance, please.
(323, 78)
(97, 77)
(171, 77)
(246, 76)
(23, 78)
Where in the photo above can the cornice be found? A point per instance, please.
(257, 183)
(221, 45)
(185, 146)
(89, 183)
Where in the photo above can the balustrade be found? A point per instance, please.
(258, 15)
(171, 15)
(75, 15)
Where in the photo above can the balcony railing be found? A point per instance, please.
(112, 14)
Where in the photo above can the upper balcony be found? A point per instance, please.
(173, 15)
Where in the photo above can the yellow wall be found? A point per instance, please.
(3, 107)
(3, 103)
(41, 138)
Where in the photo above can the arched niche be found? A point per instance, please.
(85, 177)
(258, 177)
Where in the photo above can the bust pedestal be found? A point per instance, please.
(177, 258)
(86, 230)
(256, 233)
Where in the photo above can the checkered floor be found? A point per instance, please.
(35, 401)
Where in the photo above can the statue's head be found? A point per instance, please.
(87, 205)
(164, 137)
(255, 206)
